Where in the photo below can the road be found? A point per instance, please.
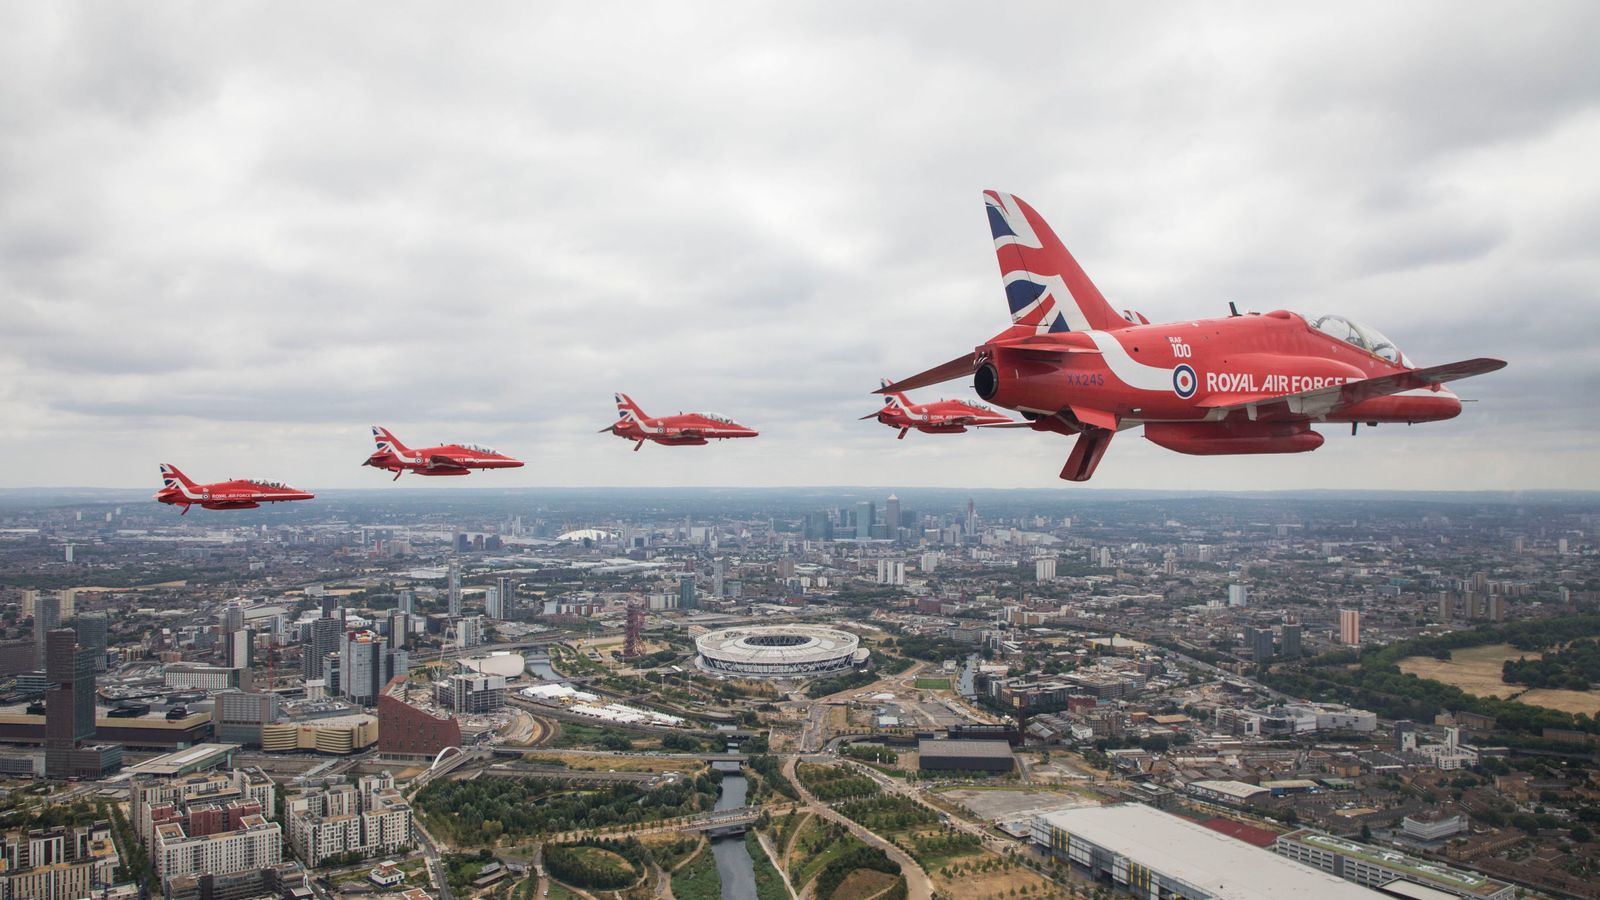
(430, 852)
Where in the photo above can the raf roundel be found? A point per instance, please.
(1184, 381)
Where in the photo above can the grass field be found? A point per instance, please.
(863, 883)
(698, 879)
(933, 684)
(583, 762)
(1565, 701)
(1475, 670)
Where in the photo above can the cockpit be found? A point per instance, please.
(719, 418)
(262, 482)
(1358, 335)
(478, 448)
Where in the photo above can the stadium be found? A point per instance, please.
(779, 651)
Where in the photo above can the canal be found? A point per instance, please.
(734, 864)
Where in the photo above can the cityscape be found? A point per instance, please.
(783, 692)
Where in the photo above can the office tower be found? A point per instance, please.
(1349, 626)
(716, 578)
(1238, 595)
(46, 618)
(453, 587)
(1291, 640)
(891, 516)
(328, 603)
(69, 701)
(408, 601)
(972, 517)
(508, 596)
(237, 649)
(687, 598)
(865, 514)
(68, 553)
(1260, 641)
(492, 606)
(322, 640)
(399, 629)
(231, 618)
(92, 628)
(1044, 569)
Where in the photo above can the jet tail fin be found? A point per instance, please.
(171, 477)
(1045, 287)
(387, 442)
(626, 408)
(893, 397)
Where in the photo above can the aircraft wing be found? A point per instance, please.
(441, 461)
(955, 368)
(1322, 401)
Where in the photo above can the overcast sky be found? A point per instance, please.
(233, 236)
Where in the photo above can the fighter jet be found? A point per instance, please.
(238, 493)
(1251, 383)
(681, 429)
(446, 459)
(938, 417)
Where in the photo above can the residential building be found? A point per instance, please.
(369, 817)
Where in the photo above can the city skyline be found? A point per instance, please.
(765, 232)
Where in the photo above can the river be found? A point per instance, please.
(539, 666)
(734, 864)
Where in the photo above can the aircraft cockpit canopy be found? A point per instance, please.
(719, 418)
(262, 482)
(478, 448)
(1356, 334)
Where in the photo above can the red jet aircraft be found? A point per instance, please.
(938, 417)
(1239, 384)
(240, 493)
(447, 459)
(679, 430)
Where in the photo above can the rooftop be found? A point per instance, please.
(1207, 860)
(931, 748)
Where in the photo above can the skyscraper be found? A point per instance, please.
(1044, 569)
(46, 618)
(69, 701)
(1238, 595)
(408, 601)
(891, 516)
(92, 628)
(492, 605)
(716, 578)
(453, 587)
(972, 517)
(508, 596)
(399, 629)
(366, 664)
(865, 513)
(687, 599)
(238, 649)
(322, 639)
(1349, 626)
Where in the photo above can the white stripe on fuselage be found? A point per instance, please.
(1128, 370)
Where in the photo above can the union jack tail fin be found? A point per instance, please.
(172, 478)
(894, 398)
(1046, 289)
(387, 442)
(628, 409)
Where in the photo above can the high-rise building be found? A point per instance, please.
(328, 603)
(1238, 595)
(891, 572)
(408, 601)
(508, 596)
(69, 702)
(687, 597)
(972, 517)
(366, 664)
(46, 618)
(469, 631)
(891, 516)
(1349, 626)
(322, 639)
(716, 578)
(1260, 643)
(237, 648)
(231, 617)
(930, 562)
(69, 553)
(492, 606)
(453, 588)
(399, 629)
(1291, 640)
(1044, 569)
(865, 514)
(92, 628)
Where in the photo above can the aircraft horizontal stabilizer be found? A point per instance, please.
(949, 371)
